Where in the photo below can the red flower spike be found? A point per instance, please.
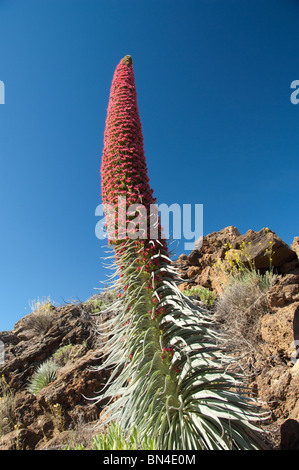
(124, 169)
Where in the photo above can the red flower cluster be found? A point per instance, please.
(167, 353)
(124, 170)
(158, 312)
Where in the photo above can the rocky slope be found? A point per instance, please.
(63, 412)
(272, 362)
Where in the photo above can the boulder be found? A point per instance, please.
(277, 332)
(284, 291)
(290, 267)
(295, 246)
(196, 268)
(19, 439)
(265, 248)
(212, 244)
(289, 432)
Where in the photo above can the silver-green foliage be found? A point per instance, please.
(188, 399)
(44, 374)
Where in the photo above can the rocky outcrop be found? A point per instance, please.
(266, 249)
(275, 364)
(197, 267)
(67, 402)
(285, 291)
(295, 246)
(263, 249)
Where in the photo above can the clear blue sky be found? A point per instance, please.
(213, 80)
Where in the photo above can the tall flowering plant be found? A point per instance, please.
(170, 377)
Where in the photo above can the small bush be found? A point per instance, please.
(102, 300)
(42, 315)
(63, 354)
(205, 295)
(69, 352)
(241, 306)
(45, 374)
(115, 439)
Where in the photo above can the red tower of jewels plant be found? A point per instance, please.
(170, 377)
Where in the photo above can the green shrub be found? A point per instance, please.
(69, 352)
(205, 295)
(102, 300)
(62, 355)
(115, 439)
(44, 374)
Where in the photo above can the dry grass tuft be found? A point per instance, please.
(42, 315)
(241, 306)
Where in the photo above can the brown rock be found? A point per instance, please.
(26, 409)
(204, 279)
(75, 381)
(289, 267)
(184, 286)
(211, 279)
(213, 244)
(277, 331)
(263, 245)
(296, 327)
(19, 439)
(295, 246)
(182, 258)
(272, 384)
(193, 258)
(284, 292)
(289, 435)
(192, 272)
(205, 253)
(216, 240)
(291, 402)
(25, 350)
